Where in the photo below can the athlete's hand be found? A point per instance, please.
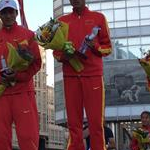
(69, 50)
(89, 43)
(8, 76)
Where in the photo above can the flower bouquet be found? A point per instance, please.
(17, 60)
(142, 136)
(145, 63)
(54, 35)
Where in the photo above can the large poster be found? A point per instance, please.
(125, 83)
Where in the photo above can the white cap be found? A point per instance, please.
(8, 3)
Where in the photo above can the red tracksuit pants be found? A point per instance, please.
(87, 92)
(20, 109)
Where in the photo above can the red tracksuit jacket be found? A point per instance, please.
(79, 27)
(134, 143)
(15, 35)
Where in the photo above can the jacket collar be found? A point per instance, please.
(146, 128)
(85, 9)
(11, 28)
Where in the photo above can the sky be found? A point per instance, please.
(37, 13)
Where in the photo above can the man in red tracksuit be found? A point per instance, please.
(85, 88)
(17, 103)
(145, 119)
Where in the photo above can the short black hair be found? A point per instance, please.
(145, 112)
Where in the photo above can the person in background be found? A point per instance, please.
(145, 119)
(109, 138)
(85, 89)
(86, 136)
(17, 103)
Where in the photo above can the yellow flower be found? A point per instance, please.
(45, 34)
(54, 35)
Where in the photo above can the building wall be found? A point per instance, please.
(55, 132)
(56, 137)
(41, 95)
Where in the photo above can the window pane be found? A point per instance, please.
(145, 22)
(145, 12)
(109, 15)
(132, 13)
(107, 5)
(145, 40)
(120, 15)
(131, 3)
(144, 2)
(133, 23)
(94, 6)
(134, 52)
(122, 42)
(111, 25)
(133, 41)
(65, 1)
(119, 4)
(120, 24)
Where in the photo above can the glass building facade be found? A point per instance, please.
(129, 23)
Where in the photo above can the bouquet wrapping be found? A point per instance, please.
(145, 63)
(18, 60)
(54, 35)
(142, 136)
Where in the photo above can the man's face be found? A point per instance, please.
(8, 16)
(145, 119)
(77, 3)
